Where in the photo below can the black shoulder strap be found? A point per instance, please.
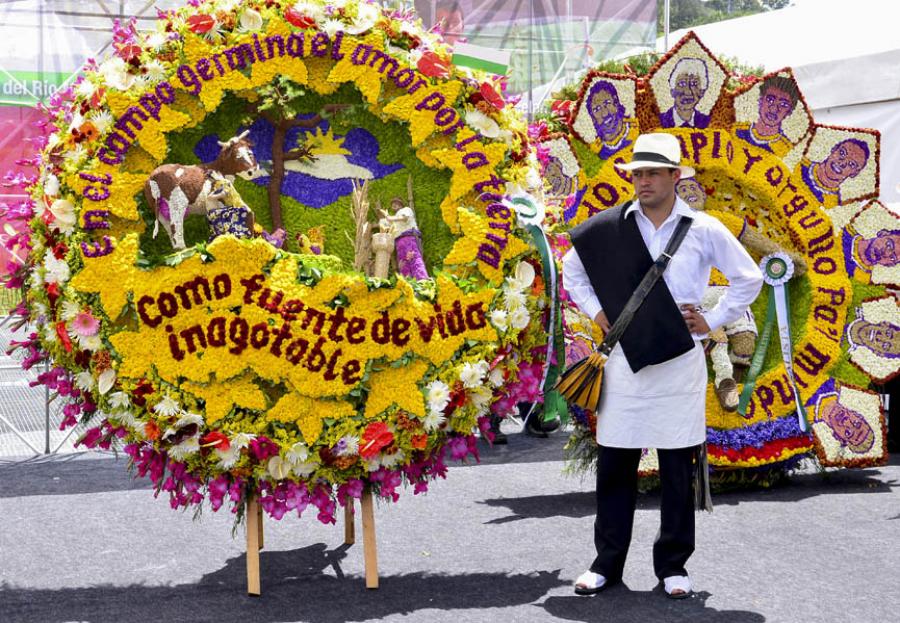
(647, 283)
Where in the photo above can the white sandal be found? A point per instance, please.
(681, 583)
(589, 583)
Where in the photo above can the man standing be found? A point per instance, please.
(654, 384)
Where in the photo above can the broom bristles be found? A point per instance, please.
(581, 383)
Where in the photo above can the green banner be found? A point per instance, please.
(27, 88)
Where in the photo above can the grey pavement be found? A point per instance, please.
(499, 541)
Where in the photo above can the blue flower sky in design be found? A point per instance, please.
(309, 190)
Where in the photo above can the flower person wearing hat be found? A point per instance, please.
(654, 383)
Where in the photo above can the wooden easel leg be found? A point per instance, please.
(259, 521)
(254, 534)
(349, 524)
(370, 551)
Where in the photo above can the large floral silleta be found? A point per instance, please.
(784, 185)
(235, 367)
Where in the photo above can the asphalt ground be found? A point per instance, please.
(502, 540)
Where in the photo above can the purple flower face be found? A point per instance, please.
(882, 250)
(849, 427)
(605, 110)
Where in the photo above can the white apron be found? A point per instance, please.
(662, 406)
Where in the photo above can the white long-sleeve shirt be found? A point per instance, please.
(708, 243)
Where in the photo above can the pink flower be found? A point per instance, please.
(85, 324)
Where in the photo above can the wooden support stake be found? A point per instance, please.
(259, 521)
(349, 523)
(254, 532)
(370, 551)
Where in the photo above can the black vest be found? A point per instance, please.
(616, 259)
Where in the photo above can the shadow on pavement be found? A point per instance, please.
(67, 475)
(621, 604)
(796, 488)
(575, 504)
(293, 589)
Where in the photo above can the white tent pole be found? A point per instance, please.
(666, 14)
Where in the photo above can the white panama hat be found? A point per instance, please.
(657, 150)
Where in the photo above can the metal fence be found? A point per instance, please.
(29, 419)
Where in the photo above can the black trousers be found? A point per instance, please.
(616, 499)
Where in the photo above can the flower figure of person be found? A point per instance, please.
(862, 254)
(407, 240)
(687, 83)
(778, 96)
(613, 128)
(731, 345)
(846, 160)
(849, 428)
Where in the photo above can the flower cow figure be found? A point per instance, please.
(174, 190)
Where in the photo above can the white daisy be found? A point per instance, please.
(189, 418)
(332, 26)
(91, 343)
(298, 453)
(155, 40)
(156, 72)
(433, 420)
(496, 377)
(102, 120)
(519, 318)
(392, 460)
(85, 88)
(51, 186)
(119, 400)
(55, 271)
(50, 334)
(499, 318)
(184, 449)
(514, 299)
(472, 374)
(69, 310)
(167, 407)
(84, 381)
(438, 395)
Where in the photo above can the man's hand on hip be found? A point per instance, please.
(694, 320)
(601, 321)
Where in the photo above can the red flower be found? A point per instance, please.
(490, 94)
(298, 19)
(433, 65)
(419, 442)
(144, 388)
(215, 440)
(53, 293)
(64, 336)
(130, 51)
(376, 436)
(561, 108)
(200, 24)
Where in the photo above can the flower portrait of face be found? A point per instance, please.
(560, 184)
(881, 338)
(692, 193)
(849, 428)
(774, 106)
(605, 110)
(846, 160)
(880, 250)
(688, 84)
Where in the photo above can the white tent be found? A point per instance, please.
(845, 57)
